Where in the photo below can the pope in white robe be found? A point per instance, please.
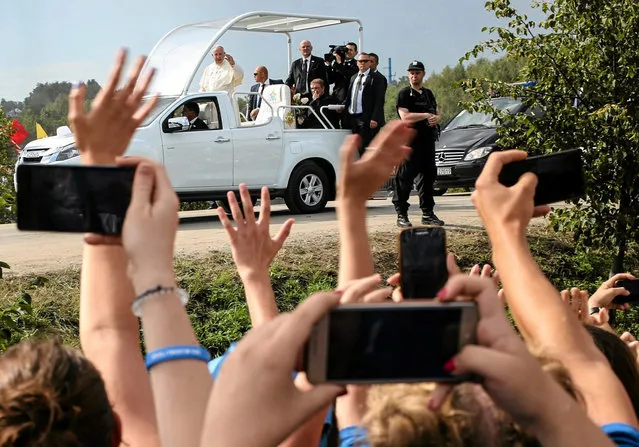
(223, 75)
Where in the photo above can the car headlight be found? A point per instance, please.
(478, 153)
(65, 154)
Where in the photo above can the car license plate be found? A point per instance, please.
(33, 154)
(444, 171)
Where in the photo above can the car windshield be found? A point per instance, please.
(162, 104)
(466, 119)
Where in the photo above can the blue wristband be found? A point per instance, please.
(179, 352)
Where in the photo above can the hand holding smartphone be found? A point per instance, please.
(76, 199)
(560, 175)
(390, 342)
(632, 286)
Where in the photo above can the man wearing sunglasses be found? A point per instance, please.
(365, 101)
(262, 81)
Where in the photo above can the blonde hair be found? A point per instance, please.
(398, 416)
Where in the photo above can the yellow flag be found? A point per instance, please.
(40, 133)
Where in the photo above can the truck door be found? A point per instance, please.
(198, 155)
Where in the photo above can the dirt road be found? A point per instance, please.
(201, 231)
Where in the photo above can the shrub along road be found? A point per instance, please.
(200, 232)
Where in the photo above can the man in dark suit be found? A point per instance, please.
(261, 78)
(365, 101)
(374, 63)
(192, 111)
(305, 69)
(320, 99)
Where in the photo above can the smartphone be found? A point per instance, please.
(560, 175)
(422, 265)
(402, 342)
(75, 199)
(632, 286)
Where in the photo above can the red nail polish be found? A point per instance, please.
(442, 293)
(450, 365)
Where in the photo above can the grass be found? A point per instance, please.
(217, 307)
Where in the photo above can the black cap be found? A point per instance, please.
(416, 65)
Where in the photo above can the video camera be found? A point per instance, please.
(339, 49)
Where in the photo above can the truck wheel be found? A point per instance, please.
(307, 190)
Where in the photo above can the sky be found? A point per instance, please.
(44, 41)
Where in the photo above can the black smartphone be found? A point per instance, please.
(560, 175)
(71, 198)
(422, 254)
(402, 342)
(632, 286)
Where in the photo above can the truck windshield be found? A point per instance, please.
(162, 104)
(466, 119)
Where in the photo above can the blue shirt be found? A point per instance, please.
(216, 364)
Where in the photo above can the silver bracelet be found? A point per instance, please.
(159, 290)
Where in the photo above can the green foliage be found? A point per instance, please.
(13, 319)
(445, 85)
(18, 321)
(585, 51)
(7, 161)
(218, 308)
(48, 105)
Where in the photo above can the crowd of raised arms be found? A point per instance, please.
(567, 380)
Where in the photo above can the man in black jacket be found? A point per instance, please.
(191, 111)
(417, 104)
(365, 101)
(262, 81)
(320, 99)
(305, 69)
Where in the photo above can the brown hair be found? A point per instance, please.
(52, 396)
(621, 361)
(398, 416)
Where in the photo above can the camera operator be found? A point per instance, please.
(341, 67)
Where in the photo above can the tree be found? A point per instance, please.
(584, 58)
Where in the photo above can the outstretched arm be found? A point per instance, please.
(109, 332)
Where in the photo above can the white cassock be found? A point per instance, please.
(221, 77)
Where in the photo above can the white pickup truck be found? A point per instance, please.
(299, 165)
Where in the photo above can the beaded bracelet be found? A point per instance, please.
(178, 352)
(159, 290)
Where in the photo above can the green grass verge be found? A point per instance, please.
(218, 310)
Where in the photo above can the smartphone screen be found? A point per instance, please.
(560, 175)
(77, 199)
(632, 286)
(395, 343)
(423, 267)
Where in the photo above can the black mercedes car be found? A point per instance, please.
(465, 143)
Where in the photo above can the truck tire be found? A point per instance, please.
(307, 191)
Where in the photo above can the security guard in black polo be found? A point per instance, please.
(417, 104)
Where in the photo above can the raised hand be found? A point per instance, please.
(511, 376)
(251, 243)
(245, 411)
(359, 179)
(105, 132)
(608, 291)
(150, 227)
